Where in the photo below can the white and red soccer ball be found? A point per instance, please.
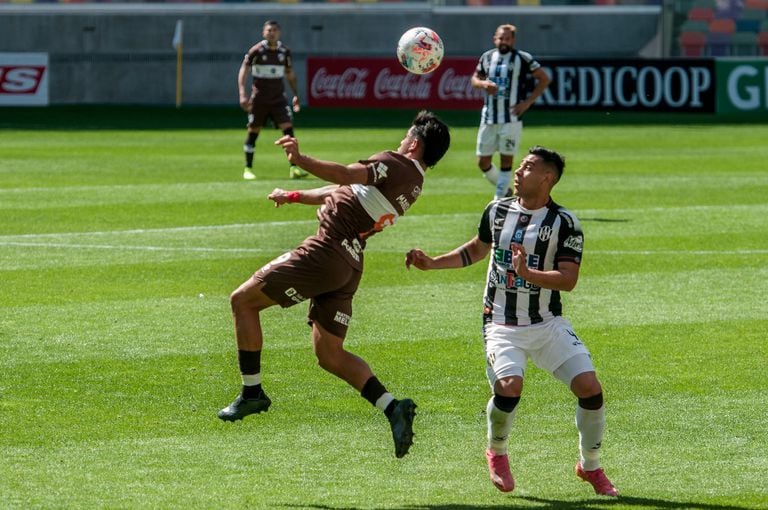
(420, 50)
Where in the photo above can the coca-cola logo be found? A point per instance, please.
(350, 84)
(401, 86)
(457, 86)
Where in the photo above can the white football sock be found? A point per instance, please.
(591, 425)
(502, 183)
(499, 425)
(383, 401)
(492, 174)
(251, 379)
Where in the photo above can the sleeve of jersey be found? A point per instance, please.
(571, 241)
(377, 170)
(484, 228)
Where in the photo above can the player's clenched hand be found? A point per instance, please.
(418, 259)
(279, 196)
(291, 147)
(519, 259)
(296, 105)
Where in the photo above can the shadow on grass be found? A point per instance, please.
(531, 503)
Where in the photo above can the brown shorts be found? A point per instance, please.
(279, 112)
(317, 272)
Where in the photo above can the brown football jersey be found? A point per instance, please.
(268, 70)
(353, 213)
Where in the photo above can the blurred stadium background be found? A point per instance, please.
(122, 52)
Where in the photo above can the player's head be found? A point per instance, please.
(271, 31)
(552, 159)
(433, 135)
(504, 38)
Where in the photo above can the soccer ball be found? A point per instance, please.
(420, 50)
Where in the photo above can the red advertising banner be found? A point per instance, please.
(383, 83)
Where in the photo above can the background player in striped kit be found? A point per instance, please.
(537, 247)
(504, 74)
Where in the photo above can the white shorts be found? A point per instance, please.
(549, 345)
(501, 138)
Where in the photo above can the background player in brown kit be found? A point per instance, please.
(326, 268)
(268, 62)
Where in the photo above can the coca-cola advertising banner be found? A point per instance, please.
(655, 85)
(383, 83)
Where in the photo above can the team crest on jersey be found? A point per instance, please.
(281, 57)
(545, 233)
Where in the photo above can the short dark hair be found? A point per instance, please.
(434, 134)
(272, 23)
(553, 158)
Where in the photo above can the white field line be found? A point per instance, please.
(18, 240)
(193, 249)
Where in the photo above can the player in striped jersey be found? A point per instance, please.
(536, 248)
(503, 73)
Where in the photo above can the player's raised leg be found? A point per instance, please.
(332, 357)
(247, 302)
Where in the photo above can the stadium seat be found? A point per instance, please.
(751, 13)
(692, 44)
(756, 4)
(748, 25)
(719, 44)
(744, 44)
(722, 26)
(691, 25)
(762, 43)
(701, 14)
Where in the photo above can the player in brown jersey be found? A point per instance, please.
(268, 62)
(326, 268)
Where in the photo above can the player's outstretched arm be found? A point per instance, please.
(314, 196)
(465, 255)
(337, 173)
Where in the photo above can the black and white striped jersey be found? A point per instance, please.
(550, 235)
(510, 72)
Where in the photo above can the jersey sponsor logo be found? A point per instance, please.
(502, 257)
(294, 295)
(574, 242)
(416, 193)
(342, 318)
(267, 71)
(404, 203)
(379, 171)
(545, 233)
(353, 248)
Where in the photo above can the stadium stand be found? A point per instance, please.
(762, 43)
(691, 25)
(722, 26)
(701, 14)
(744, 44)
(756, 4)
(692, 44)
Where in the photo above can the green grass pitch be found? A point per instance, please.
(120, 241)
